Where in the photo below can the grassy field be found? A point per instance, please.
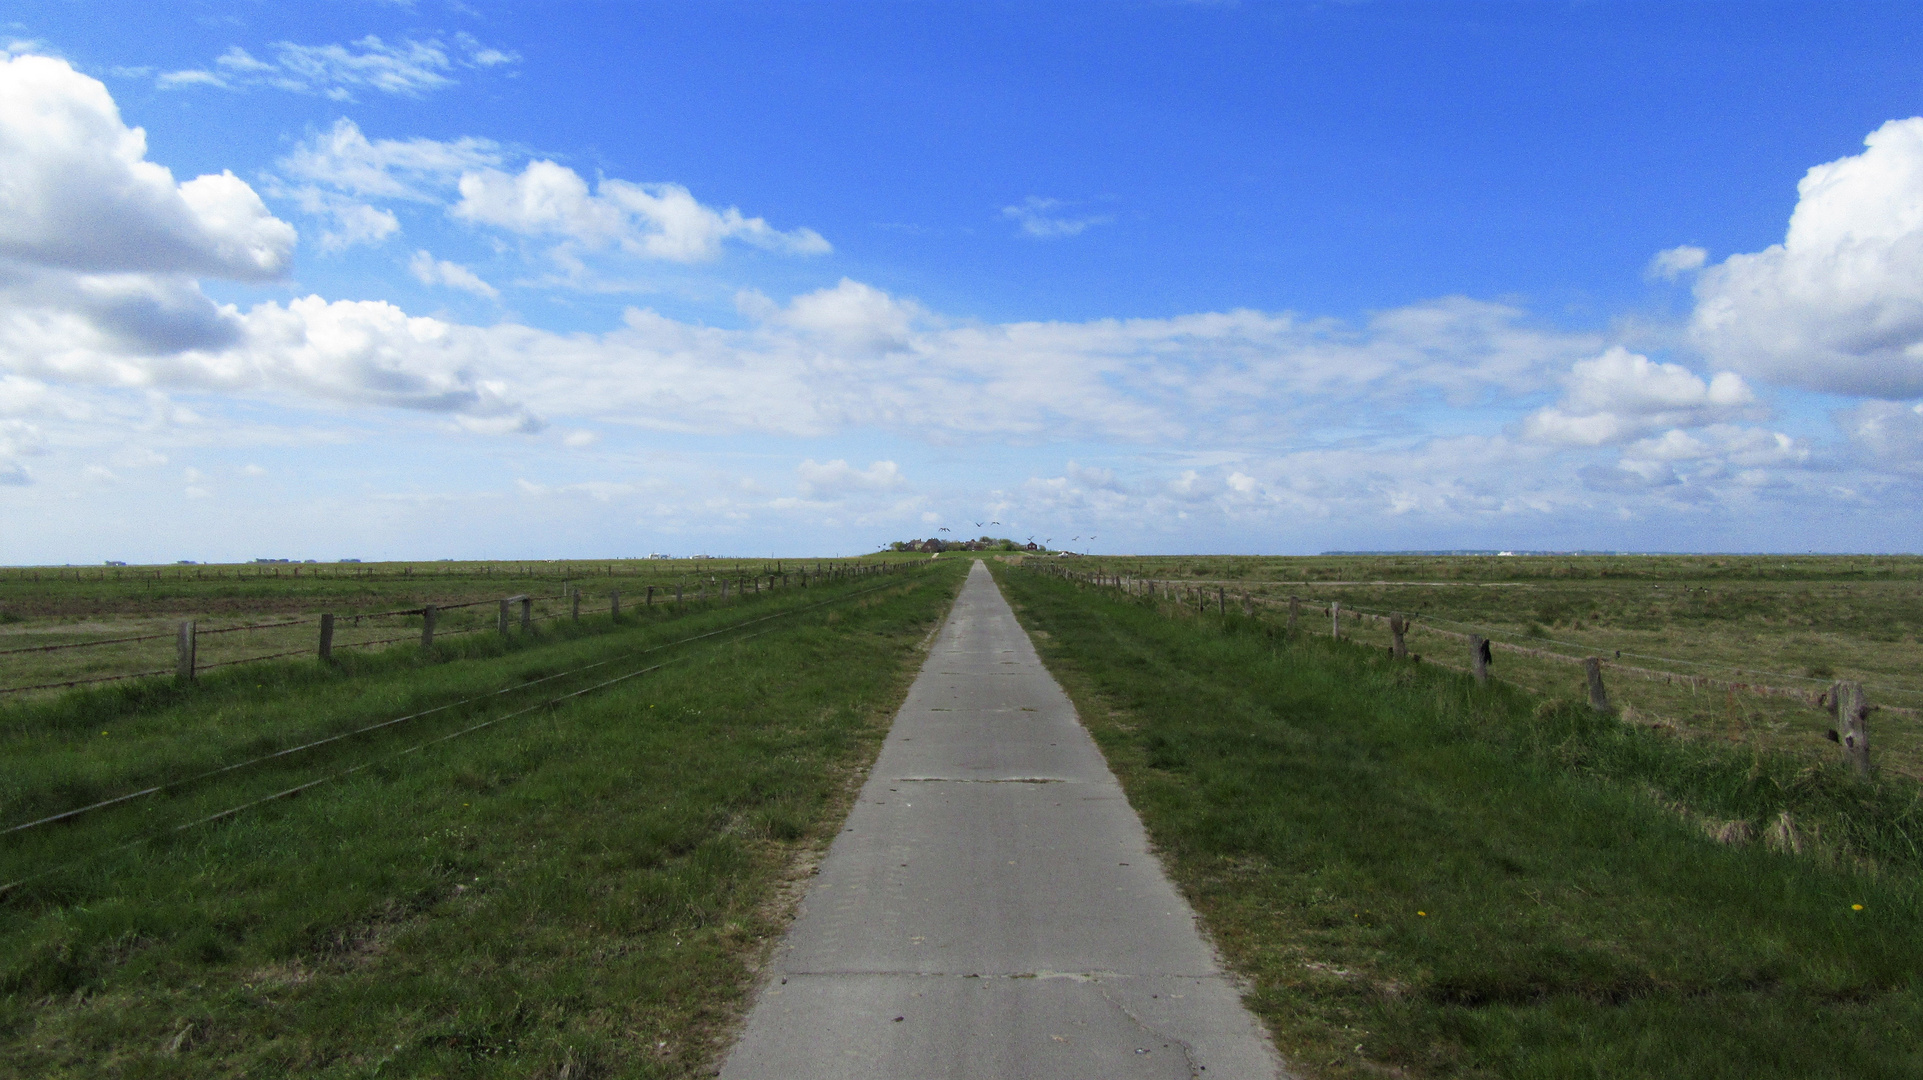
(578, 890)
(1424, 878)
(42, 606)
(1798, 622)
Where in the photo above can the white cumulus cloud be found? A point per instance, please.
(1838, 305)
(1620, 395)
(78, 194)
(660, 221)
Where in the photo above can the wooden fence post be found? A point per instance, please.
(1221, 601)
(427, 626)
(1397, 627)
(1295, 610)
(1248, 604)
(677, 594)
(527, 614)
(184, 666)
(327, 637)
(1851, 708)
(1479, 658)
(1335, 619)
(577, 605)
(503, 621)
(614, 606)
(1593, 671)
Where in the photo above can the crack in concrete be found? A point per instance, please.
(1188, 1052)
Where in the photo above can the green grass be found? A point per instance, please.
(1807, 619)
(584, 888)
(1419, 875)
(43, 606)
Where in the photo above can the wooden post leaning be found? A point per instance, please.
(1847, 703)
(1397, 627)
(1593, 672)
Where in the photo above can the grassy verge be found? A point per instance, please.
(580, 891)
(1804, 620)
(1423, 876)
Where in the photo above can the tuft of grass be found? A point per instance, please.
(1421, 875)
(583, 888)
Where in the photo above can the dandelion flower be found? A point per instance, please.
(1424, 914)
(1856, 907)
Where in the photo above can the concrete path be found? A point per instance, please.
(991, 909)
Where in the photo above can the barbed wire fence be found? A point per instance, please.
(425, 623)
(1845, 701)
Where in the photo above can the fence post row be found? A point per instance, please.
(1851, 709)
(1593, 671)
(327, 637)
(184, 666)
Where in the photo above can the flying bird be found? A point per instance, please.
(944, 528)
(998, 523)
(978, 524)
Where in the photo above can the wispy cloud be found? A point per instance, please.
(1040, 217)
(431, 271)
(409, 68)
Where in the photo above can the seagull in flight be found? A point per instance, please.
(998, 523)
(944, 528)
(978, 524)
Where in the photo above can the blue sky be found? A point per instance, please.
(603, 279)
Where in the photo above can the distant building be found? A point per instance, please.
(115, 562)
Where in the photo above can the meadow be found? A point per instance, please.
(1423, 877)
(562, 852)
(266, 609)
(1792, 622)
(565, 861)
